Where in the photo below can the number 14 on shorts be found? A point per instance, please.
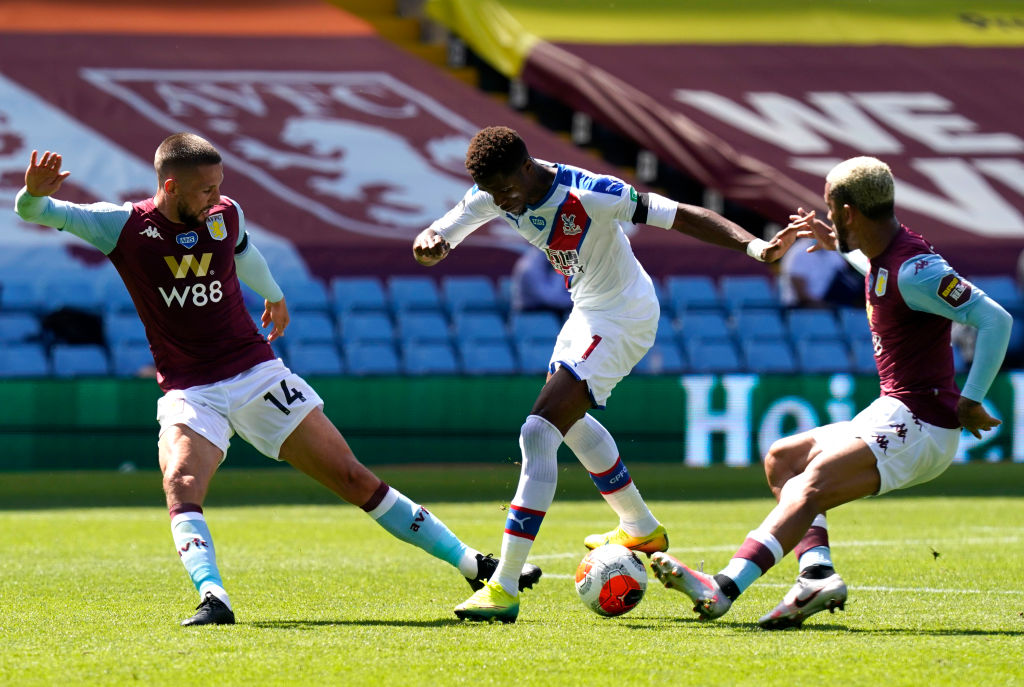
(291, 395)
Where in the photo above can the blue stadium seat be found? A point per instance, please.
(480, 326)
(666, 330)
(854, 323)
(115, 296)
(469, 293)
(1003, 290)
(123, 327)
(863, 355)
(748, 291)
(314, 359)
(88, 360)
(310, 327)
(413, 293)
(304, 293)
(428, 326)
(708, 325)
(708, 356)
(533, 355)
(663, 358)
(760, 323)
(357, 294)
(128, 358)
(692, 292)
(535, 326)
(505, 292)
(371, 359)
(823, 356)
(367, 327)
(487, 358)
(19, 326)
(428, 358)
(813, 324)
(23, 360)
(21, 294)
(768, 356)
(82, 293)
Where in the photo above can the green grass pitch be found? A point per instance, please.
(91, 592)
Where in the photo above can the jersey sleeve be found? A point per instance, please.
(476, 209)
(99, 224)
(241, 221)
(928, 284)
(610, 198)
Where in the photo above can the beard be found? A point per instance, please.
(188, 216)
(842, 237)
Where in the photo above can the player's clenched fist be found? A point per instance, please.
(430, 248)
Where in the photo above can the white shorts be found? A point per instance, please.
(263, 404)
(908, 451)
(602, 347)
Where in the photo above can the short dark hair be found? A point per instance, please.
(496, 150)
(183, 150)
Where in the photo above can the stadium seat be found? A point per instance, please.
(663, 358)
(428, 358)
(534, 355)
(357, 294)
(314, 359)
(115, 296)
(854, 324)
(822, 356)
(304, 294)
(760, 323)
(505, 292)
(487, 358)
(462, 293)
(128, 358)
(708, 325)
(366, 327)
(21, 294)
(311, 327)
(692, 292)
(535, 326)
(768, 356)
(863, 355)
(123, 327)
(1003, 290)
(16, 327)
(748, 291)
(429, 326)
(413, 293)
(23, 360)
(711, 356)
(81, 293)
(479, 326)
(813, 324)
(667, 332)
(86, 360)
(371, 359)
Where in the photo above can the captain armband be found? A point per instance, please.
(658, 211)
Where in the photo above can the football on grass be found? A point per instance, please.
(611, 580)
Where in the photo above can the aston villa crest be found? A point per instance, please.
(218, 230)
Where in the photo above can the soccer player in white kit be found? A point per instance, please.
(181, 254)
(907, 436)
(576, 217)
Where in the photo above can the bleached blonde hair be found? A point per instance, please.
(865, 183)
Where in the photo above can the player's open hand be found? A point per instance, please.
(43, 177)
(808, 226)
(276, 313)
(779, 245)
(973, 417)
(430, 248)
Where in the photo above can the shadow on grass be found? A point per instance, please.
(449, 483)
(836, 628)
(316, 624)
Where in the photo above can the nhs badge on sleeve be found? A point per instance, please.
(218, 230)
(187, 239)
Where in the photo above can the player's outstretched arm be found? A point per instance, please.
(808, 226)
(710, 227)
(430, 248)
(43, 176)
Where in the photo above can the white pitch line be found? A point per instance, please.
(910, 590)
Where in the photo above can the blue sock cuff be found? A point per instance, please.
(613, 479)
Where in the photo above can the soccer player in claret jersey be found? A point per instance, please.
(577, 219)
(181, 254)
(907, 436)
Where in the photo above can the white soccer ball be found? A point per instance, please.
(611, 580)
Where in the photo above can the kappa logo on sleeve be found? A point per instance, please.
(955, 290)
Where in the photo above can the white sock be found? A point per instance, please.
(596, 450)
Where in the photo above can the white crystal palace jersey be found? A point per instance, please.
(579, 225)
